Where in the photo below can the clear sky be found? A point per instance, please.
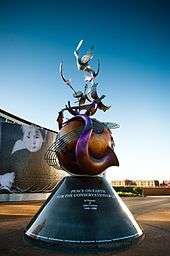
(132, 41)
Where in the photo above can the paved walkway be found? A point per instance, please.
(153, 213)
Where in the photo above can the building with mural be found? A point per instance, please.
(23, 168)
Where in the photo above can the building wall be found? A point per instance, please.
(118, 183)
(135, 183)
(147, 183)
(156, 191)
(5, 117)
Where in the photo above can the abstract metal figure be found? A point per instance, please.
(95, 97)
(67, 81)
(60, 119)
(94, 101)
(97, 150)
(83, 63)
(73, 216)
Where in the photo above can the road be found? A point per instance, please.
(152, 213)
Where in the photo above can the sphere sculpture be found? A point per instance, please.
(83, 212)
(84, 146)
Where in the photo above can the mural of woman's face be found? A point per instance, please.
(32, 139)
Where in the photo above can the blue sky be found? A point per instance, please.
(131, 39)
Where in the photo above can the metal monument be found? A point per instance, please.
(84, 212)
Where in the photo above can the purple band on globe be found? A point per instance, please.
(89, 164)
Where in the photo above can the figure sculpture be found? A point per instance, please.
(84, 212)
(83, 145)
(83, 63)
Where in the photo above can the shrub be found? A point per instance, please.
(128, 191)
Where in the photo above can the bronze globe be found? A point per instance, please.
(84, 146)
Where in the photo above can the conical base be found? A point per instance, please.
(84, 212)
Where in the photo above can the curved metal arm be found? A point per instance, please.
(82, 62)
(66, 81)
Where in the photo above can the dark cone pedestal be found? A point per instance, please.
(86, 214)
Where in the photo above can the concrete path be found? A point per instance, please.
(152, 213)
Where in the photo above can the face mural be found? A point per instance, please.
(22, 164)
(32, 139)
